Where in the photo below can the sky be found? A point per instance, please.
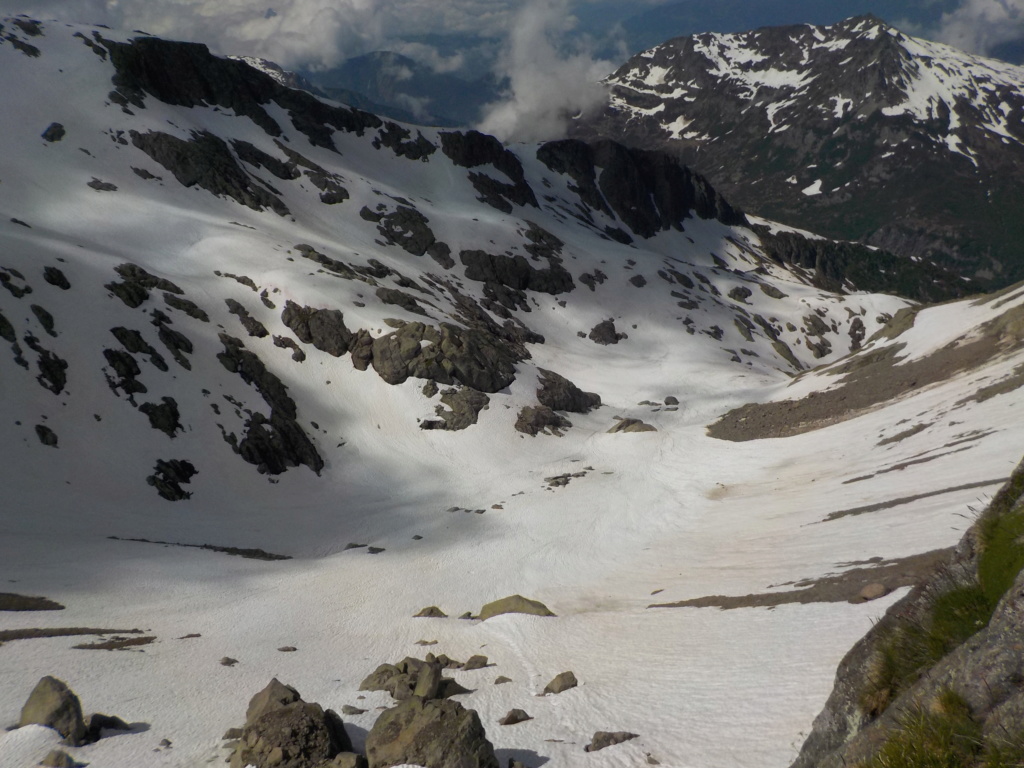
(550, 52)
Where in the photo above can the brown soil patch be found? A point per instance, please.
(834, 588)
(12, 602)
(871, 378)
(910, 499)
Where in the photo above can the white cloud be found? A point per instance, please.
(978, 26)
(547, 87)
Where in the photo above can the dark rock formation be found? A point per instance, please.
(323, 328)
(252, 326)
(168, 477)
(631, 425)
(397, 139)
(46, 435)
(133, 343)
(514, 716)
(206, 161)
(54, 132)
(55, 277)
(54, 705)
(533, 420)
(136, 284)
(465, 405)
(559, 394)
(400, 299)
(249, 153)
(413, 677)
(163, 416)
(604, 333)
(276, 443)
(432, 733)
(473, 149)
(190, 308)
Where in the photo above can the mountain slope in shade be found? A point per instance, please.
(236, 318)
(855, 130)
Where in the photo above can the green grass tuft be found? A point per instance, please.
(944, 736)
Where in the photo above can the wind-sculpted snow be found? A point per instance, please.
(379, 386)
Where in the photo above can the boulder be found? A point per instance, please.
(604, 333)
(345, 760)
(434, 734)
(431, 612)
(54, 705)
(561, 682)
(58, 758)
(274, 696)
(514, 716)
(604, 739)
(559, 394)
(475, 662)
(514, 604)
(871, 592)
(296, 735)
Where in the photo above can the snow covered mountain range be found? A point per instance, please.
(395, 368)
(854, 130)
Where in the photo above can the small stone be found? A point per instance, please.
(431, 612)
(671, 400)
(561, 682)
(287, 649)
(466, 616)
(604, 739)
(348, 709)
(165, 742)
(501, 680)
(475, 662)
(514, 716)
(227, 661)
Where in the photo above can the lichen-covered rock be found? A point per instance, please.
(465, 405)
(560, 394)
(54, 705)
(430, 733)
(514, 604)
(296, 735)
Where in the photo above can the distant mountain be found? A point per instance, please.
(855, 130)
(396, 86)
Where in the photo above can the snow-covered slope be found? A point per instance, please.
(855, 129)
(316, 329)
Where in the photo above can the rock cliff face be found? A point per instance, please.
(855, 130)
(947, 657)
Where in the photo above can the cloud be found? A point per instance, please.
(978, 26)
(547, 86)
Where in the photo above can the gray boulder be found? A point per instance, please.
(604, 333)
(533, 420)
(274, 696)
(514, 716)
(54, 705)
(560, 394)
(631, 425)
(433, 734)
(561, 682)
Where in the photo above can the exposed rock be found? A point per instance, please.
(46, 436)
(465, 405)
(249, 153)
(431, 612)
(514, 716)
(101, 186)
(169, 476)
(45, 319)
(163, 416)
(514, 604)
(54, 132)
(472, 149)
(52, 369)
(58, 758)
(559, 394)
(54, 705)
(295, 735)
(205, 160)
(133, 342)
(604, 739)
(323, 328)
(275, 696)
(397, 138)
(872, 592)
(346, 760)
(671, 400)
(286, 342)
(631, 425)
(516, 274)
(638, 281)
(252, 326)
(348, 709)
(475, 662)
(190, 308)
(400, 299)
(561, 682)
(435, 734)
(136, 284)
(501, 680)
(533, 420)
(227, 661)
(604, 333)
(407, 228)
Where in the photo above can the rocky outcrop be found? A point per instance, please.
(283, 731)
(464, 406)
(431, 733)
(561, 682)
(603, 739)
(414, 677)
(631, 425)
(472, 149)
(950, 648)
(323, 328)
(604, 333)
(648, 191)
(168, 477)
(559, 394)
(205, 161)
(534, 420)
